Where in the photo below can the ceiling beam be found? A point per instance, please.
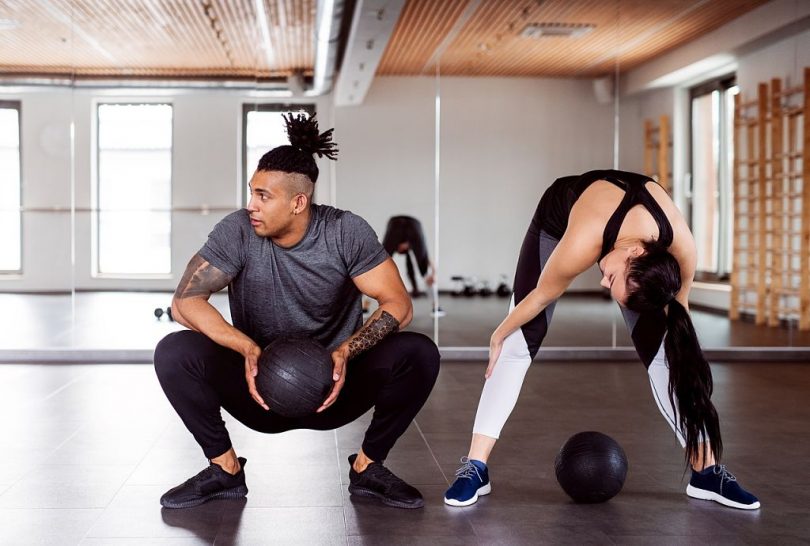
(373, 24)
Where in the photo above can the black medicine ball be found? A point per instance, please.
(295, 376)
(591, 467)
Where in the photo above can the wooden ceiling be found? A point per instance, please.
(486, 35)
(223, 38)
(157, 38)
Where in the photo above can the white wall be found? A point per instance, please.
(387, 152)
(503, 141)
(45, 119)
(784, 59)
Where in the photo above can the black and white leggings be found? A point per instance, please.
(501, 390)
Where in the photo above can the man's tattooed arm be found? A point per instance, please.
(201, 279)
(379, 325)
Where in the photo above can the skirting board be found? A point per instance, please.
(449, 354)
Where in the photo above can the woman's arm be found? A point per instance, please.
(576, 252)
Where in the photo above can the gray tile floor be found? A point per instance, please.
(88, 449)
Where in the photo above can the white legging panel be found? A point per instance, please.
(502, 388)
(658, 373)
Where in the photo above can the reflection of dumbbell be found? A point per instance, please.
(470, 286)
(160, 312)
(458, 286)
(503, 289)
(484, 289)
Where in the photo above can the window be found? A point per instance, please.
(710, 192)
(262, 130)
(133, 196)
(10, 188)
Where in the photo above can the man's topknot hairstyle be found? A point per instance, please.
(305, 142)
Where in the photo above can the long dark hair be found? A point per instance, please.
(653, 280)
(305, 141)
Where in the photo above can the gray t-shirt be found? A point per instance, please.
(305, 290)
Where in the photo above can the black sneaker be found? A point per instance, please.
(380, 483)
(211, 483)
(719, 485)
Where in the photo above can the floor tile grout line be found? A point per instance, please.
(340, 485)
(48, 456)
(135, 469)
(436, 460)
(63, 387)
(433, 455)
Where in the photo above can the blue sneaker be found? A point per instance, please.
(718, 484)
(472, 480)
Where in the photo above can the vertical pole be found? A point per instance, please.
(648, 147)
(777, 194)
(804, 251)
(663, 153)
(762, 201)
(734, 307)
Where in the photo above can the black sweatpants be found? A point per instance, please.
(201, 377)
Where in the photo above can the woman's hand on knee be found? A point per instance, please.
(495, 347)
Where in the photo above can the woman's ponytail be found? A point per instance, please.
(653, 280)
(690, 383)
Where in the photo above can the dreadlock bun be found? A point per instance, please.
(302, 130)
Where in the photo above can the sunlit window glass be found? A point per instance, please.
(265, 130)
(10, 216)
(134, 189)
(710, 191)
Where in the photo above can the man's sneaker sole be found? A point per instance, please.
(363, 492)
(233, 493)
(703, 494)
(483, 490)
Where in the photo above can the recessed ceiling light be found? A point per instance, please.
(543, 30)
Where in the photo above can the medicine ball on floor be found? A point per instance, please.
(295, 376)
(591, 467)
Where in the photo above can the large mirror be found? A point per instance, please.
(37, 197)
(115, 169)
(595, 102)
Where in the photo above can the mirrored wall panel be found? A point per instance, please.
(117, 158)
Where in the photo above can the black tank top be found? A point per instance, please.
(555, 206)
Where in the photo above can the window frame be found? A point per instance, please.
(722, 84)
(17, 105)
(95, 231)
(262, 107)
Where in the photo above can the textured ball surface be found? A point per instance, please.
(591, 467)
(295, 376)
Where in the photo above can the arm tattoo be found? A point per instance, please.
(372, 333)
(201, 279)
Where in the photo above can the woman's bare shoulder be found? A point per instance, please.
(683, 243)
(599, 200)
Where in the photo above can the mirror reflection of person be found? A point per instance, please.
(404, 235)
(628, 225)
